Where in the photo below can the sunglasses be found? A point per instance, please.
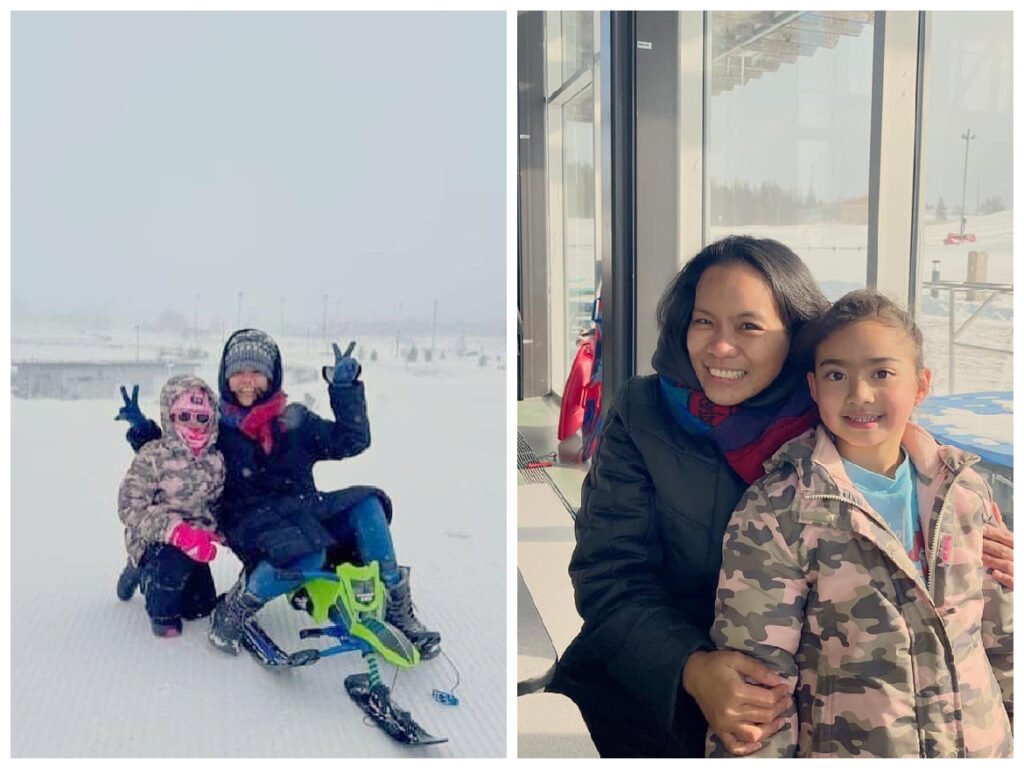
(185, 417)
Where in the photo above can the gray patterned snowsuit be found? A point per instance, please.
(166, 484)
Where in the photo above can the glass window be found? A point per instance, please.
(966, 217)
(965, 299)
(577, 42)
(569, 55)
(579, 226)
(569, 37)
(789, 133)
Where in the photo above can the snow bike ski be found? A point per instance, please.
(257, 642)
(374, 698)
(352, 599)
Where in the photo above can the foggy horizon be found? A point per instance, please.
(164, 163)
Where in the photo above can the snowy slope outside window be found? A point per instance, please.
(968, 183)
(788, 135)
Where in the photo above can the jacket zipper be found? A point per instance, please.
(853, 502)
(933, 559)
(932, 563)
(929, 581)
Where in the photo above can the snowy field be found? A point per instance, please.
(838, 252)
(88, 679)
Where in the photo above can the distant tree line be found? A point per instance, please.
(741, 203)
(992, 204)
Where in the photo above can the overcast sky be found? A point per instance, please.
(157, 157)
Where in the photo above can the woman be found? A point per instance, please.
(271, 514)
(678, 450)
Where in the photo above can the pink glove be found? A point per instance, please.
(194, 542)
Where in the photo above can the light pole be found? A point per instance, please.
(325, 319)
(433, 331)
(963, 196)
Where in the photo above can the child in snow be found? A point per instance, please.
(854, 566)
(165, 503)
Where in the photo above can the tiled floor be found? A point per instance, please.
(537, 420)
(549, 496)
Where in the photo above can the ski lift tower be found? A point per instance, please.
(963, 236)
(963, 196)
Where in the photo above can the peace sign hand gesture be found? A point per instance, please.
(130, 411)
(346, 368)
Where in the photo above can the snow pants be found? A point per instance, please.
(175, 585)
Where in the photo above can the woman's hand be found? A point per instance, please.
(997, 551)
(346, 368)
(741, 714)
(130, 411)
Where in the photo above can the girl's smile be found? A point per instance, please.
(866, 384)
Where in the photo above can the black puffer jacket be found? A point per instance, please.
(271, 508)
(649, 547)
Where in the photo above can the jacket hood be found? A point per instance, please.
(275, 381)
(816, 449)
(170, 392)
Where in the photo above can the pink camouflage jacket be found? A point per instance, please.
(882, 663)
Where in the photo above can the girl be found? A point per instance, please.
(854, 569)
(165, 504)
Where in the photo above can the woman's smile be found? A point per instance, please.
(727, 374)
(736, 339)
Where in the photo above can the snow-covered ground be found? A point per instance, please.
(88, 679)
(838, 252)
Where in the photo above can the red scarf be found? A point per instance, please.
(257, 424)
(709, 412)
(747, 435)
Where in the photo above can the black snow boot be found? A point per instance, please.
(165, 627)
(227, 622)
(128, 581)
(400, 614)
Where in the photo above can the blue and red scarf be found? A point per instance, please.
(256, 422)
(747, 435)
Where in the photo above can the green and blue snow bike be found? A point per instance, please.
(351, 601)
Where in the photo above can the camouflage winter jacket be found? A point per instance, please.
(166, 484)
(883, 663)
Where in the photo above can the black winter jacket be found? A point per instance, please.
(271, 508)
(656, 503)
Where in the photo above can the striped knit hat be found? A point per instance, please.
(251, 350)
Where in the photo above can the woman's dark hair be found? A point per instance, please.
(796, 293)
(855, 307)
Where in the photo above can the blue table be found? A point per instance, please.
(978, 422)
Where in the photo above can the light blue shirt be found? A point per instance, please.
(895, 499)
